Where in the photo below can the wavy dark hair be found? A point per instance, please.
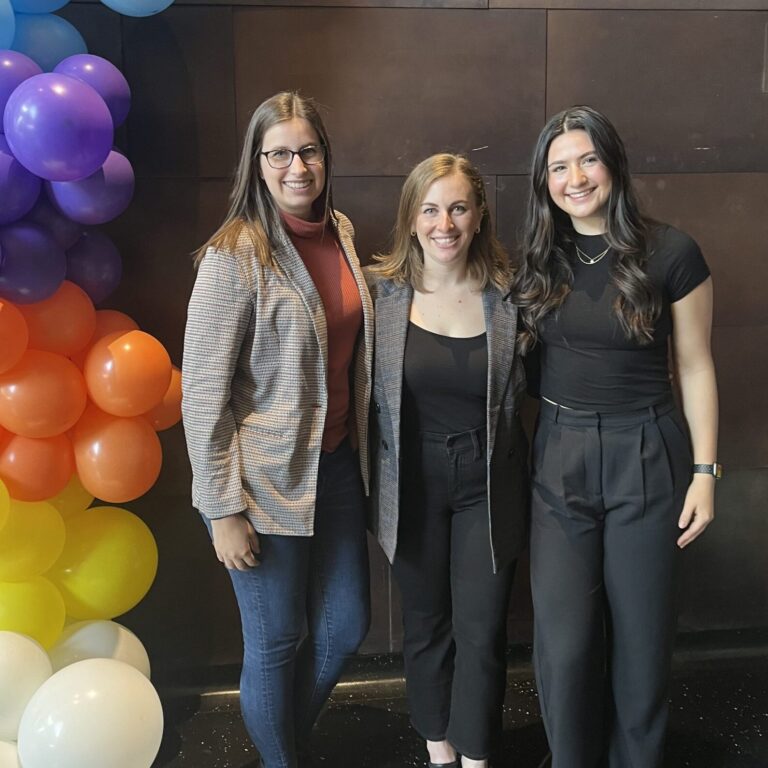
(251, 208)
(545, 276)
(487, 260)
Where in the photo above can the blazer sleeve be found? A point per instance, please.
(218, 319)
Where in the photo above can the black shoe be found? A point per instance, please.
(454, 764)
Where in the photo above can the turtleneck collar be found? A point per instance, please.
(297, 227)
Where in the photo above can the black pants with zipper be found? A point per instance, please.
(454, 605)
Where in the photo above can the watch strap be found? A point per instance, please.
(714, 469)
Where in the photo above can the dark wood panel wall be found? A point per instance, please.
(685, 82)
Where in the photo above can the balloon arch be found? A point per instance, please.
(83, 393)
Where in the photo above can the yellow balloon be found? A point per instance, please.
(30, 541)
(5, 503)
(108, 564)
(33, 608)
(74, 498)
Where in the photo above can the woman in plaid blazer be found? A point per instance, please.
(276, 381)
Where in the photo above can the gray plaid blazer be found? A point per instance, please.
(507, 448)
(254, 384)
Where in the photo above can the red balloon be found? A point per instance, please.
(127, 373)
(107, 321)
(14, 335)
(34, 469)
(42, 395)
(62, 323)
(168, 411)
(117, 459)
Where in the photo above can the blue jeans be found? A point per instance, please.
(315, 583)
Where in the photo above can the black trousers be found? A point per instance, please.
(454, 606)
(607, 493)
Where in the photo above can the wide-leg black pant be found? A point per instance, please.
(454, 606)
(607, 493)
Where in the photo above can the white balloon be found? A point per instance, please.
(92, 714)
(24, 667)
(9, 756)
(99, 640)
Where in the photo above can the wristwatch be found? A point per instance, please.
(709, 469)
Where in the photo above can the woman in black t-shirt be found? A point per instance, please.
(604, 294)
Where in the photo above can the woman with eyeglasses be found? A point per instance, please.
(276, 382)
(606, 294)
(449, 486)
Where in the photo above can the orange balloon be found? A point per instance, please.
(42, 395)
(127, 373)
(62, 323)
(14, 335)
(34, 469)
(107, 321)
(117, 459)
(168, 411)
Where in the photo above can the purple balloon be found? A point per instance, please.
(19, 189)
(15, 68)
(65, 231)
(58, 127)
(95, 265)
(98, 198)
(32, 265)
(104, 77)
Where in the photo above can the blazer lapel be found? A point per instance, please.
(501, 330)
(392, 313)
(293, 266)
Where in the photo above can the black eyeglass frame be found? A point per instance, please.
(294, 152)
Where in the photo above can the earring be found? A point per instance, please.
(413, 234)
(477, 231)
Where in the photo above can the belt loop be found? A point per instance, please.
(476, 445)
(557, 414)
(652, 413)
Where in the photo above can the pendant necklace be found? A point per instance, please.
(585, 259)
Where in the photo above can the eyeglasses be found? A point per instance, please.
(313, 154)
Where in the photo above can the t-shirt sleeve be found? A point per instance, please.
(687, 268)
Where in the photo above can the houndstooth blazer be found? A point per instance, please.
(507, 449)
(254, 384)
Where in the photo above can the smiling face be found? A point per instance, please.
(446, 220)
(295, 188)
(578, 182)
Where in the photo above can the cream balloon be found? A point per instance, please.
(9, 755)
(92, 714)
(24, 667)
(99, 640)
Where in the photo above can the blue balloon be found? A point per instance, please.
(37, 6)
(47, 39)
(19, 189)
(138, 7)
(7, 24)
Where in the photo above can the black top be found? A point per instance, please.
(587, 362)
(444, 382)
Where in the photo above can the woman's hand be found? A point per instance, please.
(698, 510)
(236, 542)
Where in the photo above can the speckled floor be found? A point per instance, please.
(719, 719)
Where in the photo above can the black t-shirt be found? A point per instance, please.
(444, 382)
(587, 362)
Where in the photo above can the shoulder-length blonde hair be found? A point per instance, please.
(251, 209)
(487, 261)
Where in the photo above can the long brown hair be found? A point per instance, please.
(487, 261)
(545, 276)
(252, 209)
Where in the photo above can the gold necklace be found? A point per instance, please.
(584, 259)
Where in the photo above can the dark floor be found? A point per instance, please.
(719, 719)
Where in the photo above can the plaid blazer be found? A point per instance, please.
(254, 384)
(507, 449)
